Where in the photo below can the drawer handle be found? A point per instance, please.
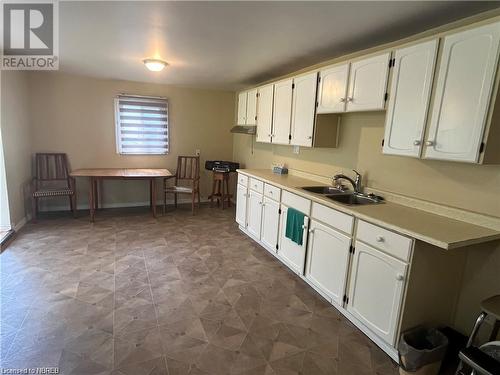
(311, 231)
(400, 277)
(379, 239)
(270, 192)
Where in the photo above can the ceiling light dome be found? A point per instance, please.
(155, 65)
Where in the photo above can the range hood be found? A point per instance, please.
(244, 129)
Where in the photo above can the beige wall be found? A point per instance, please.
(15, 124)
(75, 114)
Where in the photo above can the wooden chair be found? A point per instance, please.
(188, 172)
(52, 179)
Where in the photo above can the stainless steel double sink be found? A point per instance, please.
(346, 197)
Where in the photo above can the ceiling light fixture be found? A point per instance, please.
(155, 65)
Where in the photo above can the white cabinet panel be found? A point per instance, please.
(332, 90)
(368, 83)
(303, 109)
(462, 95)
(409, 99)
(241, 205)
(292, 254)
(376, 290)
(270, 223)
(265, 113)
(327, 260)
(242, 108)
(282, 111)
(254, 214)
(251, 107)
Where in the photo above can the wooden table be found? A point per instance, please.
(96, 175)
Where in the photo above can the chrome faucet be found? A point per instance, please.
(356, 184)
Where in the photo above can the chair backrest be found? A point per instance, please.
(51, 167)
(188, 168)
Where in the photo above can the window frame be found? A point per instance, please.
(118, 138)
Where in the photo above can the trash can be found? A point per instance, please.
(421, 351)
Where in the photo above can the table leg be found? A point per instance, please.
(96, 193)
(151, 193)
(153, 196)
(91, 198)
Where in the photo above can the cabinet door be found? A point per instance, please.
(254, 214)
(327, 260)
(303, 109)
(332, 90)
(463, 91)
(409, 99)
(265, 113)
(292, 254)
(241, 205)
(251, 117)
(282, 111)
(376, 290)
(270, 223)
(242, 108)
(368, 83)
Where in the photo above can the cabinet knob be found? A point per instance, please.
(417, 142)
(349, 99)
(311, 231)
(310, 137)
(379, 239)
(269, 135)
(400, 277)
(342, 100)
(429, 143)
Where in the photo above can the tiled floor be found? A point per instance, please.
(178, 295)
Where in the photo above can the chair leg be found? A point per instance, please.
(34, 208)
(175, 200)
(199, 200)
(192, 202)
(72, 204)
(164, 202)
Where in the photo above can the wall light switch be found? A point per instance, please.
(197, 152)
(296, 149)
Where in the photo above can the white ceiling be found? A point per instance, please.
(234, 44)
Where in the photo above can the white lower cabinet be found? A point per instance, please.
(292, 254)
(254, 213)
(327, 260)
(376, 289)
(241, 205)
(270, 223)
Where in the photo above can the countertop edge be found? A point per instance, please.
(346, 210)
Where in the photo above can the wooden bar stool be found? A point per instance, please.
(220, 189)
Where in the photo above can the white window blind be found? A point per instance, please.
(141, 125)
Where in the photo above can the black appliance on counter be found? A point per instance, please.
(221, 166)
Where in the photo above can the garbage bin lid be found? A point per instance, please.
(491, 306)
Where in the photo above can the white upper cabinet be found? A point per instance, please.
(242, 108)
(327, 260)
(264, 113)
(332, 90)
(247, 107)
(251, 107)
(282, 111)
(303, 109)
(462, 95)
(368, 83)
(376, 290)
(409, 99)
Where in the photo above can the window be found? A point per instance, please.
(141, 125)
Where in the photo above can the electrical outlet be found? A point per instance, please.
(197, 152)
(296, 149)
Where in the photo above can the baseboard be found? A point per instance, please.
(85, 206)
(21, 223)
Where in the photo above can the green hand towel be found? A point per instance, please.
(294, 223)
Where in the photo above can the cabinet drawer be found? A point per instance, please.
(272, 192)
(256, 185)
(242, 179)
(383, 239)
(297, 202)
(333, 218)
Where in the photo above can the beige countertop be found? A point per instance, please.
(435, 229)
